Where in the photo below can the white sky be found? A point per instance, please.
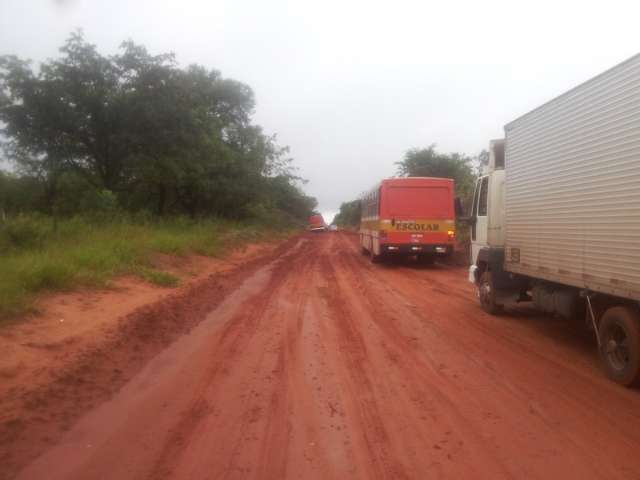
(351, 85)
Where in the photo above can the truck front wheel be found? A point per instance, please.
(487, 294)
(619, 332)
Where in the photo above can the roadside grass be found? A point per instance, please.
(90, 252)
(158, 277)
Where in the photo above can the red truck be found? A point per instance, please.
(317, 223)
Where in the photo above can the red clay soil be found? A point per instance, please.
(83, 346)
(318, 364)
(66, 324)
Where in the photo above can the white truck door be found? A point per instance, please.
(479, 214)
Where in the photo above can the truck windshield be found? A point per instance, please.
(419, 202)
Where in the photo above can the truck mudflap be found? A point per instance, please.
(473, 269)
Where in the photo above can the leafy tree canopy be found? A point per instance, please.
(349, 214)
(140, 128)
(428, 162)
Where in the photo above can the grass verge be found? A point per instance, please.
(85, 252)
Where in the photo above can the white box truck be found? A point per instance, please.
(555, 218)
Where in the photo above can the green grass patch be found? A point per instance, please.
(158, 277)
(85, 252)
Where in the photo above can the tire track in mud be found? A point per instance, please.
(236, 334)
(278, 429)
(354, 353)
(457, 314)
(409, 396)
(521, 356)
(302, 431)
(429, 387)
(519, 395)
(284, 416)
(233, 341)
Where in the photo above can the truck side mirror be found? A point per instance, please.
(458, 207)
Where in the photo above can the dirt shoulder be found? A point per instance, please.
(82, 346)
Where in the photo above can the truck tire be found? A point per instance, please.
(487, 295)
(376, 258)
(619, 332)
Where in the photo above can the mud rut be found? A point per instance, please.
(321, 365)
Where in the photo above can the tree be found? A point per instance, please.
(349, 214)
(427, 162)
(138, 128)
(18, 194)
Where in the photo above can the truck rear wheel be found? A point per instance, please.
(487, 294)
(619, 332)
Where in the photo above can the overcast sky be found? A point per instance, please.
(351, 85)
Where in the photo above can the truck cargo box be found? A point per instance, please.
(572, 186)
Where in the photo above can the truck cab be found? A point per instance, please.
(487, 213)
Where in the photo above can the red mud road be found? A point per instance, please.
(321, 365)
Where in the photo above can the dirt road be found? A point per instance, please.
(322, 365)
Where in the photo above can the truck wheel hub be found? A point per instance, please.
(616, 348)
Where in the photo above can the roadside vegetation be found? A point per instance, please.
(110, 159)
(137, 132)
(428, 162)
(87, 252)
(349, 215)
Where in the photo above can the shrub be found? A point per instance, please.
(25, 231)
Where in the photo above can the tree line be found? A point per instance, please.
(137, 132)
(427, 162)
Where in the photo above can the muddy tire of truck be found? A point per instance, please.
(619, 332)
(487, 295)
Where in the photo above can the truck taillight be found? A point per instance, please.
(451, 234)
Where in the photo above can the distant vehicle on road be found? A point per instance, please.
(317, 223)
(333, 228)
(556, 215)
(409, 216)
